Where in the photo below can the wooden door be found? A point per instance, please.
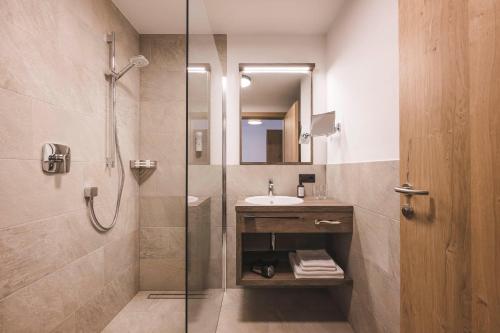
(435, 156)
(291, 134)
(484, 62)
(450, 145)
(274, 146)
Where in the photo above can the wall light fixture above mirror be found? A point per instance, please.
(275, 109)
(277, 69)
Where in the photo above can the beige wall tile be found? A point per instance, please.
(169, 52)
(379, 179)
(372, 238)
(378, 291)
(28, 195)
(343, 182)
(31, 251)
(100, 310)
(368, 185)
(67, 326)
(163, 118)
(162, 274)
(78, 131)
(16, 125)
(163, 86)
(162, 138)
(215, 243)
(168, 179)
(52, 90)
(43, 305)
(121, 254)
(162, 211)
(245, 180)
(248, 180)
(215, 278)
(168, 243)
(167, 149)
(362, 320)
(371, 256)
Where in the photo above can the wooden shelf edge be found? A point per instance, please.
(287, 279)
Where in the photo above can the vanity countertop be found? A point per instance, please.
(309, 205)
(199, 202)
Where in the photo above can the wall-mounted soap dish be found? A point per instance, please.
(143, 169)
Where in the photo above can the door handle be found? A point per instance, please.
(318, 222)
(408, 190)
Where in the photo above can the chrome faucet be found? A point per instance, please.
(270, 188)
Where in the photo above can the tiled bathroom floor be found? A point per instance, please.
(143, 315)
(280, 311)
(252, 310)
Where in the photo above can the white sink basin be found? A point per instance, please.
(274, 200)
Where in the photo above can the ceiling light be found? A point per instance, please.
(246, 81)
(196, 69)
(276, 69)
(254, 122)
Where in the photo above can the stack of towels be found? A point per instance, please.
(314, 264)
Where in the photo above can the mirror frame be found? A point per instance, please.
(241, 66)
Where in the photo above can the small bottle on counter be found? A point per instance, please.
(301, 191)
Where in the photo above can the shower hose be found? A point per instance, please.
(91, 192)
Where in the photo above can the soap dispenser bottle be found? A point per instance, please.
(301, 191)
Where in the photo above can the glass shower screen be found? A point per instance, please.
(204, 154)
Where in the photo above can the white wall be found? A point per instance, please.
(362, 82)
(273, 49)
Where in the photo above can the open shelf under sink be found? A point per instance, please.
(284, 276)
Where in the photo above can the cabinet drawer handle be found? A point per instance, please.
(318, 222)
(272, 217)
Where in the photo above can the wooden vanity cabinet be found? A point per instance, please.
(306, 222)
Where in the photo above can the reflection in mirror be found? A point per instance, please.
(276, 107)
(199, 114)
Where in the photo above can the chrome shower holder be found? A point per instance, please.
(113, 152)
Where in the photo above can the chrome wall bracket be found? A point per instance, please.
(56, 158)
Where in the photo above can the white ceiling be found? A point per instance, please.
(231, 16)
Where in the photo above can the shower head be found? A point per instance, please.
(137, 61)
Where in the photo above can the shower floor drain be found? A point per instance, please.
(177, 295)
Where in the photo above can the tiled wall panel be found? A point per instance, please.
(54, 267)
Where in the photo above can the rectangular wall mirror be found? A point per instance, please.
(199, 114)
(275, 108)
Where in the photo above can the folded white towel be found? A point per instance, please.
(301, 274)
(315, 259)
(317, 268)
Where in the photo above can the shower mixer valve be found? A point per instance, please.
(56, 158)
